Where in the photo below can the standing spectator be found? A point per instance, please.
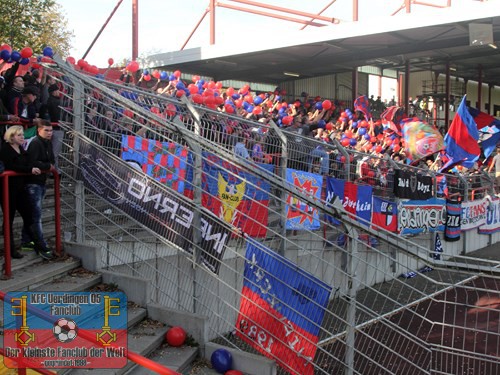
(240, 148)
(42, 157)
(44, 92)
(14, 93)
(53, 109)
(25, 108)
(495, 163)
(16, 159)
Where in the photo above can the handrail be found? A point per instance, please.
(132, 356)
(6, 223)
(23, 371)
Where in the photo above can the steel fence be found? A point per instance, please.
(192, 242)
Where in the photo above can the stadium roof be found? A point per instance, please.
(425, 42)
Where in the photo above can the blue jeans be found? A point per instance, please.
(35, 194)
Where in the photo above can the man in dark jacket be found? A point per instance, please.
(42, 157)
(53, 109)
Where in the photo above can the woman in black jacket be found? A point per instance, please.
(15, 158)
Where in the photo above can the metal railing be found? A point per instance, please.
(6, 215)
(147, 225)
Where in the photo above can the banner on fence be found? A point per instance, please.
(492, 224)
(299, 215)
(281, 309)
(164, 161)
(410, 185)
(356, 199)
(385, 215)
(453, 220)
(474, 213)
(151, 204)
(236, 196)
(421, 216)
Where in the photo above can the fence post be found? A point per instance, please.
(352, 265)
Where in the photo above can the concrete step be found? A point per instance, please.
(143, 338)
(177, 359)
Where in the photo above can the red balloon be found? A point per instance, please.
(128, 113)
(397, 148)
(177, 74)
(257, 110)
(219, 100)
(329, 126)
(218, 85)
(373, 139)
(378, 149)
(211, 85)
(230, 91)
(345, 142)
(233, 372)
(133, 66)
(193, 89)
(197, 98)
(147, 78)
(209, 100)
(94, 69)
(229, 108)
(71, 60)
(248, 99)
(82, 63)
(238, 103)
(196, 78)
(111, 61)
(155, 110)
(5, 46)
(156, 74)
(176, 336)
(287, 120)
(26, 52)
(180, 93)
(326, 104)
(170, 110)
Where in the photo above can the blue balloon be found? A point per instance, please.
(24, 61)
(362, 131)
(180, 86)
(354, 124)
(367, 136)
(163, 76)
(282, 110)
(171, 78)
(222, 360)
(145, 72)
(250, 108)
(257, 100)
(15, 56)
(353, 142)
(5, 55)
(47, 51)
(322, 124)
(318, 106)
(235, 96)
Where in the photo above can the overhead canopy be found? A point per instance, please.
(425, 43)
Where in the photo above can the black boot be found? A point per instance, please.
(15, 254)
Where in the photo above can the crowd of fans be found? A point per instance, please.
(375, 145)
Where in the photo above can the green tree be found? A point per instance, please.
(35, 24)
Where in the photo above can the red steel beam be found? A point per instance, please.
(102, 29)
(285, 10)
(195, 28)
(321, 11)
(297, 20)
(135, 29)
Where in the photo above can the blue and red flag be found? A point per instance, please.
(356, 199)
(385, 215)
(362, 104)
(299, 215)
(480, 118)
(164, 161)
(462, 137)
(236, 196)
(281, 309)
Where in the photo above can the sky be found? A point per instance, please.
(165, 25)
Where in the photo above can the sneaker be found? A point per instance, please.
(29, 246)
(45, 253)
(16, 255)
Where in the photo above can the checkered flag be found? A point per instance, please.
(438, 248)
